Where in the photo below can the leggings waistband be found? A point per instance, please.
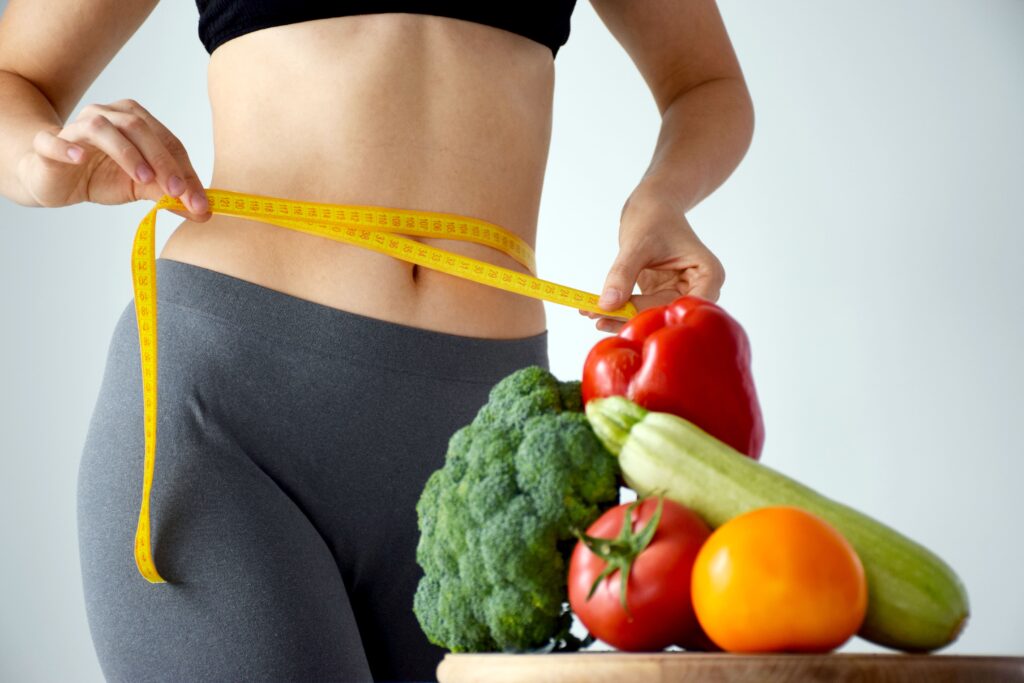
(333, 332)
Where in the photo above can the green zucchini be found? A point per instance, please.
(916, 602)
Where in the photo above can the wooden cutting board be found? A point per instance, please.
(677, 667)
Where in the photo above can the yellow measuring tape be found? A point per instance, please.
(372, 227)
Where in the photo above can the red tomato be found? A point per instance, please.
(658, 586)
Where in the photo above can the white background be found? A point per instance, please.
(872, 240)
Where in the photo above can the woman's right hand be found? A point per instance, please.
(112, 154)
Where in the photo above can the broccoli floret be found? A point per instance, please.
(496, 521)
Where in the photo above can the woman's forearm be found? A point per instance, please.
(25, 111)
(705, 132)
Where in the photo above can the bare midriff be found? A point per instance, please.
(397, 110)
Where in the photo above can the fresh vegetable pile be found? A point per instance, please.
(719, 551)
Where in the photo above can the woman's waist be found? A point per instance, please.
(356, 279)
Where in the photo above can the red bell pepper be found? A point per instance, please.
(689, 358)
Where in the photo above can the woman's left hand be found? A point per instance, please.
(659, 251)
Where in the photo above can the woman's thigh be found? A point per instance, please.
(253, 592)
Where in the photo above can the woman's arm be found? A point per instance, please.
(25, 112)
(684, 54)
(50, 53)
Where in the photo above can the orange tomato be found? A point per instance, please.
(778, 579)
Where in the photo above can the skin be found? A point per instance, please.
(397, 110)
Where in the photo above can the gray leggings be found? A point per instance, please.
(293, 442)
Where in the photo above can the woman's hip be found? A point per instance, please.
(339, 410)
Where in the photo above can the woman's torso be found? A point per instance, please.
(398, 110)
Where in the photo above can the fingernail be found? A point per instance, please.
(609, 298)
(75, 153)
(176, 185)
(144, 172)
(199, 202)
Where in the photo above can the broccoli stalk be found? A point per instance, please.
(497, 521)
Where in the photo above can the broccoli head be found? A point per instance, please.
(496, 521)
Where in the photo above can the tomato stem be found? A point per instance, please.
(620, 552)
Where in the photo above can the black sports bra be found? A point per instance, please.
(545, 21)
